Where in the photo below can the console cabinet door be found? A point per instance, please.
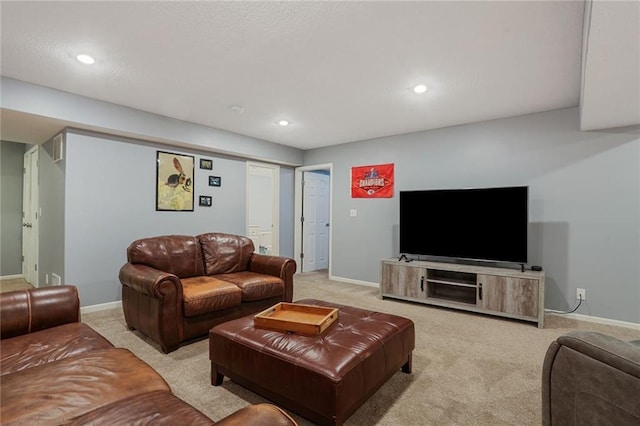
(517, 296)
(406, 281)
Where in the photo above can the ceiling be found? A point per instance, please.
(338, 71)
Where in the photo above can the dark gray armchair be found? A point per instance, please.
(590, 378)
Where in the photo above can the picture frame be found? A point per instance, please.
(206, 164)
(174, 181)
(206, 201)
(215, 181)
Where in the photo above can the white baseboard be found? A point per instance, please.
(358, 282)
(100, 307)
(589, 318)
(11, 277)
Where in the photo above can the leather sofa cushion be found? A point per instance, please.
(255, 286)
(42, 347)
(263, 414)
(180, 255)
(154, 408)
(58, 391)
(225, 253)
(202, 295)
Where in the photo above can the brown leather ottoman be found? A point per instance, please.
(324, 378)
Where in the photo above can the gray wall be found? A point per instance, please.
(11, 165)
(51, 199)
(110, 201)
(584, 200)
(287, 181)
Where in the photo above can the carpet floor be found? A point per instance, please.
(12, 284)
(468, 369)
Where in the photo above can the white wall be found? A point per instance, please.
(584, 200)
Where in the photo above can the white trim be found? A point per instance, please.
(599, 320)
(350, 281)
(297, 228)
(100, 307)
(11, 277)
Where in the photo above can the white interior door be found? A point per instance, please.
(30, 217)
(321, 215)
(263, 206)
(315, 225)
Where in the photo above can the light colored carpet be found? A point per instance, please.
(12, 284)
(468, 369)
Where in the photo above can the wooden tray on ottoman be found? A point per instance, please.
(296, 318)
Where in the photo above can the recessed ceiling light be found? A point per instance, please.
(283, 123)
(237, 108)
(85, 59)
(420, 88)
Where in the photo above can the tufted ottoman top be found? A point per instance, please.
(324, 377)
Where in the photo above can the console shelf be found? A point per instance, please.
(496, 291)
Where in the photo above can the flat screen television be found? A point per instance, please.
(480, 224)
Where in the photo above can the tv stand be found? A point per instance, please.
(511, 293)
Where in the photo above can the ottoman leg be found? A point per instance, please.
(216, 377)
(406, 368)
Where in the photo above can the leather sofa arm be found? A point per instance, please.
(621, 355)
(258, 415)
(27, 311)
(147, 280)
(278, 266)
(591, 377)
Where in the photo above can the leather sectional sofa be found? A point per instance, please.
(590, 378)
(55, 369)
(176, 287)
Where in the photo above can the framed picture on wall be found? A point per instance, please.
(174, 182)
(206, 200)
(206, 164)
(215, 181)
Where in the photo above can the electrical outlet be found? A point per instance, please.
(581, 294)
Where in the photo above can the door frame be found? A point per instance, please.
(30, 250)
(297, 228)
(275, 221)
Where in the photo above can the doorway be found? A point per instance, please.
(30, 226)
(263, 198)
(313, 212)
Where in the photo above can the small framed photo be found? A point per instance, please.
(206, 164)
(206, 201)
(215, 181)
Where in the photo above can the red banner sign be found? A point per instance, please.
(372, 181)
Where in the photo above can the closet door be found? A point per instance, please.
(263, 206)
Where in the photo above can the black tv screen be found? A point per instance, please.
(485, 224)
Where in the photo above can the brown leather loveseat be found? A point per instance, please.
(57, 370)
(176, 287)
